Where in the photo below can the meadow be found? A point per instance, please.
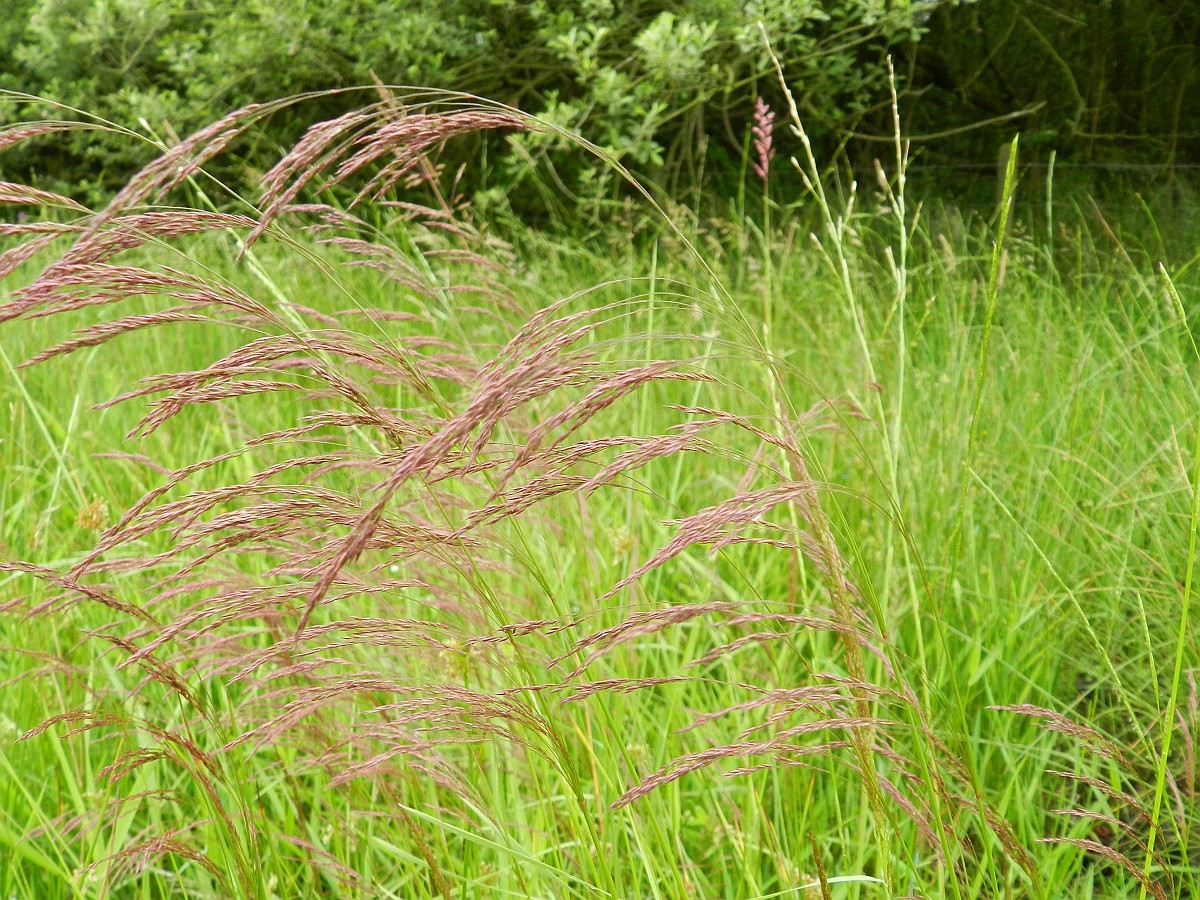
(837, 546)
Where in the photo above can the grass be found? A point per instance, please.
(884, 590)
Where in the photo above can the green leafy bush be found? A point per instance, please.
(657, 86)
(1108, 86)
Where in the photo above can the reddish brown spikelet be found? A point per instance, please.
(360, 138)
(136, 857)
(130, 761)
(1113, 855)
(736, 644)
(324, 861)
(1053, 721)
(791, 756)
(80, 720)
(387, 261)
(349, 551)
(791, 700)
(619, 686)
(638, 625)
(288, 177)
(16, 134)
(1127, 800)
(516, 501)
(103, 332)
(82, 823)
(23, 194)
(183, 160)
(69, 286)
(13, 258)
(500, 393)
(712, 524)
(763, 131)
(645, 450)
(155, 669)
(918, 815)
(121, 233)
(692, 762)
(67, 583)
(1189, 754)
(412, 135)
(601, 396)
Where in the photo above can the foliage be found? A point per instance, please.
(656, 90)
(1109, 82)
(653, 84)
(166, 67)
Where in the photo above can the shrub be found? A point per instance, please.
(651, 84)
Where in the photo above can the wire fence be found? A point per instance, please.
(1164, 168)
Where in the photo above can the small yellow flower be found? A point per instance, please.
(93, 516)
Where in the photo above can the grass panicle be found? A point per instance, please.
(435, 579)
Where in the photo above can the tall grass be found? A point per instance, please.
(441, 566)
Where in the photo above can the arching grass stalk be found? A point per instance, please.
(993, 295)
(892, 424)
(893, 430)
(1182, 635)
(862, 740)
(415, 445)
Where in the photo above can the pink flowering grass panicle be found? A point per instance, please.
(12, 135)
(764, 139)
(772, 748)
(1055, 721)
(354, 142)
(350, 593)
(183, 161)
(11, 193)
(1123, 844)
(213, 626)
(140, 855)
(319, 147)
(373, 588)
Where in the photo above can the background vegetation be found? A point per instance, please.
(667, 88)
(1109, 82)
(791, 530)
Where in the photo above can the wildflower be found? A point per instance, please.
(764, 125)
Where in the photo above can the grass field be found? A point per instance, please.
(856, 565)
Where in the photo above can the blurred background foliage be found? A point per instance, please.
(1104, 80)
(667, 87)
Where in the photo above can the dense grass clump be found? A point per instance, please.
(732, 560)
